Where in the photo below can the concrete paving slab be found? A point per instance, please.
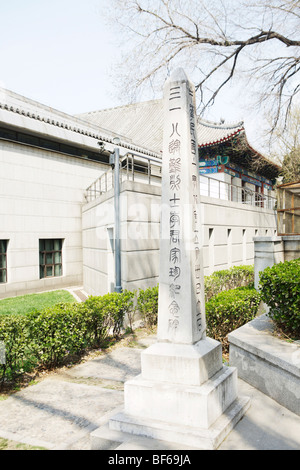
(266, 425)
(120, 365)
(54, 413)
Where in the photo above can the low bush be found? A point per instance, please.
(16, 342)
(229, 310)
(219, 281)
(280, 290)
(45, 338)
(105, 314)
(56, 332)
(147, 304)
(226, 279)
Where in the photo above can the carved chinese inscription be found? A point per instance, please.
(181, 283)
(174, 148)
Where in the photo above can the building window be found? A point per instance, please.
(50, 258)
(243, 191)
(3, 260)
(55, 146)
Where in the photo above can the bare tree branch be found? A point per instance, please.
(217, 40)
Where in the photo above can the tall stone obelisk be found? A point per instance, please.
(181, 287)
(183, 390)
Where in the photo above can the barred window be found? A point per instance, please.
(50, 257)
(3, 260)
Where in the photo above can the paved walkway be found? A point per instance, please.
(61, 411)
(78, 293)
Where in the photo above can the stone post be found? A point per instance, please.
(267, 252)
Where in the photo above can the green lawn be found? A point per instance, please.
(27, 303)
(5, 444)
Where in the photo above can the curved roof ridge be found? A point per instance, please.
(220, 125)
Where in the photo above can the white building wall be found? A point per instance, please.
(41, 195)
(228, 231)
(140, 222)
(97, 242)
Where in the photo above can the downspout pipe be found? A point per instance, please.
(115, 161)
(118, 282)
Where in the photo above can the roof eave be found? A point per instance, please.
(224, 139)
(63, 127)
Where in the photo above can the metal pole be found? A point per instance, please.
(118, 287)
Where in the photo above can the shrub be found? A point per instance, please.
(127, 306)
(105, 314)
(220, 281)
(56, 332)
(14, 335)
(147, 303)
(98, 312)
(229, 310)
(47, 337)
(226, 279)
(280, 290)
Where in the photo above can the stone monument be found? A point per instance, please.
(184, 393)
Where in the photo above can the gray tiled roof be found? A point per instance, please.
(143, 124)
(19, 111)
(139, 125)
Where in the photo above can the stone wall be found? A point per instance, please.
(266, 362)
(140, 215)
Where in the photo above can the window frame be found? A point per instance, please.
(5, 256)
(56, 146)
(44, 253)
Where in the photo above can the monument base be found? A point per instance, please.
(125, 431)
(180, 404)
(199, 411)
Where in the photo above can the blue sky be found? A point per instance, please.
(57, 52)
(60, 53)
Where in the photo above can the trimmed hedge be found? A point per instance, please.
(229, 310)
(280, 290)
(221, 281)
(147, 304)
(226, 279)
(56, 332)
(46, 338)
(106, 313)
(15, 337)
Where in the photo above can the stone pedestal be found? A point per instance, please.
(184, 395)
(186, 364)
